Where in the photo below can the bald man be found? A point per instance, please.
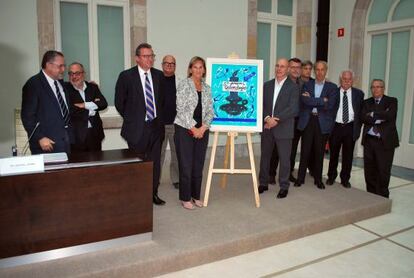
(280, 107)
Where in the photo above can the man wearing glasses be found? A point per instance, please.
(86, 100)
(139, 100)
(169, 112)
(379, 137)
(45, 107)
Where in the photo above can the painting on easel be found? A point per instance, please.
(237, 91)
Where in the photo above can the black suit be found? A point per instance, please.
(40, 108)
(280, 136)
(379, 151)
(87, 138)
(344, 136)
(142, 136)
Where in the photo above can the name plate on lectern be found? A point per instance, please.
(19, 165)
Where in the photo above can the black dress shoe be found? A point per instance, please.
(297, 184)
(263, 188)
(176, 185)
(346, 184)
(282, 193)
(329, 182)
(292, 178)
(320, 185)
(157, 200)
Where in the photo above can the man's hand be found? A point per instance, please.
(271, 122)
(306, 94)
(325, 99)
(46, 144)
(80, 105)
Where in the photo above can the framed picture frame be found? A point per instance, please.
(237, 92)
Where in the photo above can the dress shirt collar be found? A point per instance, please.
(142, 71)
(84, 86)
(320, 83)
(281, 82)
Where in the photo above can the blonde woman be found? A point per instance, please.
(194, 115)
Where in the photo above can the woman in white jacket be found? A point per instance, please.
(194, 115)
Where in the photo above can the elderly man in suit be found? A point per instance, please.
(86, 100)
(346, 130)
(139, 99)
(379, 138)
(280, 107)
(316, 120)
(45, 107)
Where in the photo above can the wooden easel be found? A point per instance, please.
(211, 170)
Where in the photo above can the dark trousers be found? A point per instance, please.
(283, 146)
(91, 143)
(312, 140)
(149, 145)
(341, 137)
(274, 161)
(377, 166)
(191, 153)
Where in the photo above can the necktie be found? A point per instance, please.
(149, 100)
(345, 113)
(375, 128)
(63, 108)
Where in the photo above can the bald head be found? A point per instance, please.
(168, 65)
(281, 69)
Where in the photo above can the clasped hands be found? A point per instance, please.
(271, 122)
(198, 133)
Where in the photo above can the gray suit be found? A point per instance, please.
(286, 109)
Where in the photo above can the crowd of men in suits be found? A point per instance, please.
(64, 117)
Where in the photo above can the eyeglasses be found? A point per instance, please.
(375, 87)
(168, 64)
(148, 56)
(59, 65)
(76, 73)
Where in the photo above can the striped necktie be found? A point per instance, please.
(63, 108)
(345, 112)
(149, 99)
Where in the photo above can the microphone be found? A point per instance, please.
(26, 146)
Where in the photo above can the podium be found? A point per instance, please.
(94, 201)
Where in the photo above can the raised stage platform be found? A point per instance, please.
(229, 226)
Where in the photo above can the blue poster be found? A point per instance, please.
(236, 87)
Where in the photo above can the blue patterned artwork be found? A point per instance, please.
(236, 87)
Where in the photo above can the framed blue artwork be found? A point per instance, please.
(237, 91)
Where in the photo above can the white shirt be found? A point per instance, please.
(52, 85)
(142, 76)
(339, 114)
(278, 87)
(90, 106)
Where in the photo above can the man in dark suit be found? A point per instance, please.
(295, 65)
(379, 138)
(316, 120)
(45, 112)
(346, 130)
(86, 100)
(280, 107)
(139, 100)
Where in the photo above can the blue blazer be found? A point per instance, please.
(326, 110)
(40, 106)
